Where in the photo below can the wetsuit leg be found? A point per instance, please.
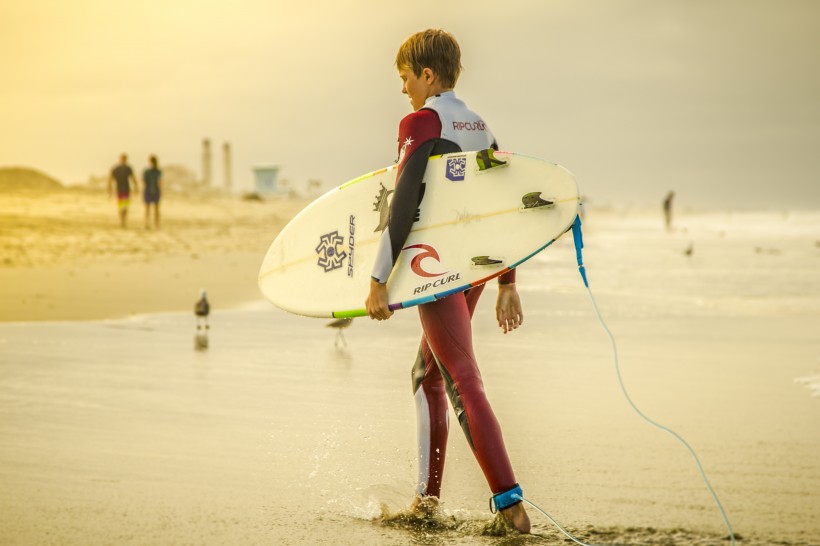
(432, 415)
(448, 333)
(433, 421)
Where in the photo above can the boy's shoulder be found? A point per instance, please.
(423, 124)
(424, 115)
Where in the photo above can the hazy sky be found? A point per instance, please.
(718, 100)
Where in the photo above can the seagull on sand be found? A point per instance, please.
(340, 324)
(201, 310)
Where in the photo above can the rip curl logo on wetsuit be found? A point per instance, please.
(330, 255)
(456, 168)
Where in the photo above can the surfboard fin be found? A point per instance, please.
(486, 160)
(479, 261)
(533, 200)
(382, 206)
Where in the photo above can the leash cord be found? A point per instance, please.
(655, 423)
(579, 244)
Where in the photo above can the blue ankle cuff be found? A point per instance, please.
(506, 499)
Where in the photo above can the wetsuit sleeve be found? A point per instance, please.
(419, 134)
(507, 278)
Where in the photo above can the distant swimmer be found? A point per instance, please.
(667, 209)
(339, 325)
(123, 175)
(201, 310)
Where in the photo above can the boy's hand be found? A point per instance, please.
(376, 303)
(508, 308)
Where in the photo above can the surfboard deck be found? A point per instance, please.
(483, 213)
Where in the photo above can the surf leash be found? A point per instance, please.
(579, 245)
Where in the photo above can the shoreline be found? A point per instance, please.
(100, 290)
(64, 257)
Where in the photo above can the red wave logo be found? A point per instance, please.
(415, 263)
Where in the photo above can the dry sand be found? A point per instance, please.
(63, 255)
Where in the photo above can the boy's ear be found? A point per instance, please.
(428, 75)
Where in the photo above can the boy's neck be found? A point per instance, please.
(436, 91)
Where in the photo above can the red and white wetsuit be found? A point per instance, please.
(446, 365)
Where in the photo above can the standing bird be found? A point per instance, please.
(201, 309)
(340, 324)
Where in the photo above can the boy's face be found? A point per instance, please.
(418, 88)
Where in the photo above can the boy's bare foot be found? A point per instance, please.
(425, 507)
(516, 517)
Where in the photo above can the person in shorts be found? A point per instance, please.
(123, 176)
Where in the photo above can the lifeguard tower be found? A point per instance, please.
(267, 180)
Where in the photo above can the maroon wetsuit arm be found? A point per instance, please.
(418, 134)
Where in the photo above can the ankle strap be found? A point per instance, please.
(506, 499)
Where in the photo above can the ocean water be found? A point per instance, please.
(131, 432)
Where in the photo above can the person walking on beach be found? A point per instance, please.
(429, 64)
(152, 179)
(667, 209)
(123, 175)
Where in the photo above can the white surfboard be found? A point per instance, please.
(483, 213)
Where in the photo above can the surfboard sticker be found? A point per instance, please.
(331, 255)
(456, 168)
(320, 263)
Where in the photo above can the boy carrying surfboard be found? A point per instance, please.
(429, 64)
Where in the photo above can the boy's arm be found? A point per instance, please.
(418, 135)
(404, 210)
(508, 310)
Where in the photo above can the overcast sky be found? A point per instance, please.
(718, 100)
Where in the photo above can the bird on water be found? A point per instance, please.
(339, 325)
(201, 309)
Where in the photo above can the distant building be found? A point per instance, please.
(206, 163)
(267, 180)
(226, 159)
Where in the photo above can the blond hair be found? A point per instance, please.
(435, 49)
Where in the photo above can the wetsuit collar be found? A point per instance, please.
(448, 94)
